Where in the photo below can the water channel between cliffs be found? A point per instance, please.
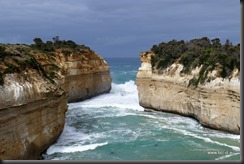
(114, 127)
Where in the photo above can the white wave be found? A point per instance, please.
(175, 121)
(227, 156)
(224, 135)
(171, 122)
(149, 116)
(70, 135)
(117, 113)
(127, 87)
(123, 96)
(71, 149)
(61, 158)
(123, 101)
(204, 138)
(235, 148)
(191, 124)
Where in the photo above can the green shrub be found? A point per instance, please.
(2, 49)
(1, 78)
(195, 53)
(50, 46)
(11, 68)
(194, 82)
(38, 41)
(66, 53)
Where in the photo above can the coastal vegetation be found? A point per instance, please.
(49, 47)
(17, 58)
(204, 53)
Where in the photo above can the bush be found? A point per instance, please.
(71, 44)
(2, 49)
(11, 68)
(195, 53)
(66, 53)
(1, 79)
(38, 41)
(50, 46)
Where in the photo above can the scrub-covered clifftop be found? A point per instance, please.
(199, 78)
(36, 83)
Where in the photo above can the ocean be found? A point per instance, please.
(114, 127)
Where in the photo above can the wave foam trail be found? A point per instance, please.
(227, 156)
(71, 149)
(123, 96)
(235, 148)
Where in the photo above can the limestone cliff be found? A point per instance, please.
(86, 74)
(32, 115)
(36, 83)
(215, 104)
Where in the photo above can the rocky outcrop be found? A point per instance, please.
(35, 87)
(215, 104)
(32, 115)
(86, 75)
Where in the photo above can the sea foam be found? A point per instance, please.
(71, 149)
(122, 96)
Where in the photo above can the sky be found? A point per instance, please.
(119, 28)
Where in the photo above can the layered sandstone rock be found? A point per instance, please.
(86, 74)
(35, 87)
(215, 104)
(32, 115)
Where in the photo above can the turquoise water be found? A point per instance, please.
(114, 127)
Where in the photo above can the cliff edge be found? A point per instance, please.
(36, 83)
(178, 77)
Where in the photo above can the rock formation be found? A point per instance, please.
(85, 76)
(32, 115)
(215, 104)
(35, 86)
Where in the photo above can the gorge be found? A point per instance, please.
(43, 115)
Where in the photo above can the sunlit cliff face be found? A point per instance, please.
(34, 91)
(215, 104)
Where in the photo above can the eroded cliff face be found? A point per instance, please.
(32, 115)
(86, 74)
(35, 88)
(215, 104)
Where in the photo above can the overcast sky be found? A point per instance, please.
(119, 28)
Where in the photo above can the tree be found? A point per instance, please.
(38, 41)
(216, 42)
(2, 49)
(154, 49)
(71, 43)
(49, 43)
(56, 39)
(228, 43)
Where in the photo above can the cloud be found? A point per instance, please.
(119, 27)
